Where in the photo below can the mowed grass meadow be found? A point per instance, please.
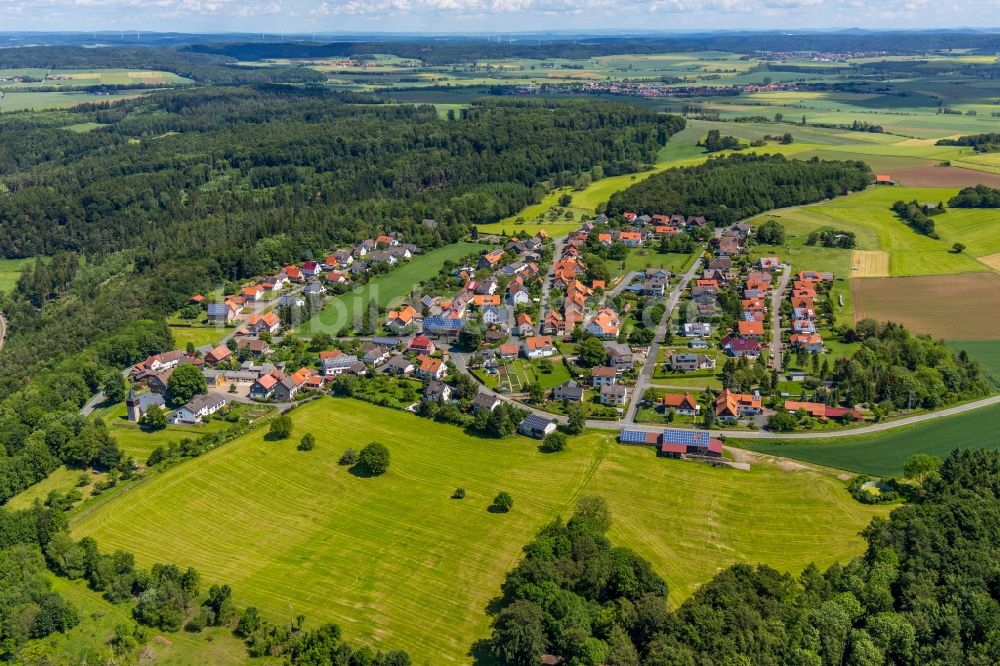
(398, 563)
(884, 453)
(387, 289)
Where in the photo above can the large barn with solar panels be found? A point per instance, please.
(673, 442)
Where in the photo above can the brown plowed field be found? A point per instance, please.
(954, 307)
(936, 176)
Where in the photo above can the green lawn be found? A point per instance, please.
(35, 101)
(398, 563)
(883, 454)
(640, 259)
(385, 289)
(197, 335)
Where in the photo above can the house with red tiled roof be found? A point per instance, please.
(525, 326)
(265, 323)
(430, 368)
(605, 324)
(554, 323)
(218, 355)
(730, 406)
(682, 403)
(750, 329)
(539, 346)
(422, 344)
(399, 320)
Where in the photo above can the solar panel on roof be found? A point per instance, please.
(687, 437)
(632, 436)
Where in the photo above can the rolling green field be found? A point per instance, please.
(883, 454)
(869, 216)
(386, 289)
(397, 563)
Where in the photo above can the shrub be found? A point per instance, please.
(349, 457)
(281, 427)
(308, 442)
(502, 503)
(554, 442)
(458, 494)
(375, 458)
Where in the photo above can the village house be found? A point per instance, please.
(697, 329)
(218, 355)
(374, 354)
(569, 391)
(605, 324)
(398, 365)
(253, 346)
(690, 362)
(401, 320)
(539, 346)
(437, 391)
(537, 426)
(263, 388)
(285, 390)
(737, 346)
(265, 323)
(554, 323)
(525, 326)
(750, 329)
(159, 362)
(336, 365)
(603, 375)
(682, 403)
(484, 400)
(222, 313)
(198, 408)
(811, 342)
(730, 406)
(619, 356)
(253, 293)
(430, 368)
(421, 344)
(310, 268)
(491, 314)
(491, 260)
(614, 396)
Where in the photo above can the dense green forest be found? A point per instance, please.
(924, 592)
(739, 186)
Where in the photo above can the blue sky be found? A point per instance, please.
(442, 16)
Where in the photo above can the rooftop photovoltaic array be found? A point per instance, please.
(632, 436)
(689, 437)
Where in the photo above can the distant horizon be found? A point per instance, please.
(484, 17)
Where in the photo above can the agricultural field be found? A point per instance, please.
(987, 352)
(950, 307)
(37, 101)
(386, 289)
(86, 78)
(878, 230)
(883, 453)
(441, 560)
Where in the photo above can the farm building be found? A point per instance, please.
(536, 426)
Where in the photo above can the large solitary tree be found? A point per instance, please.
(185, 382)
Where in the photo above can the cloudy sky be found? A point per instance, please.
(442, 16)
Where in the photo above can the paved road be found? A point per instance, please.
(560, 243)
(646, 373)
(777, 296)
(620, 287)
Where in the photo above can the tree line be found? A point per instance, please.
(983, 143)
(732, 188)
(979, 196)
(920, 594)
